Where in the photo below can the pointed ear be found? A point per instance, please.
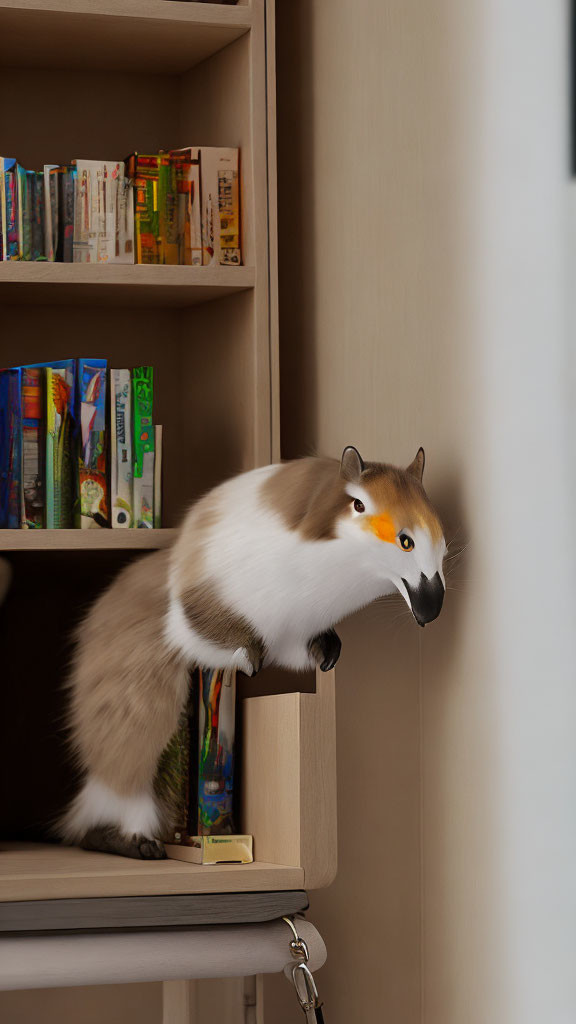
(351, 465)
(416, 467)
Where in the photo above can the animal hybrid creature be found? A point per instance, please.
(263, 567)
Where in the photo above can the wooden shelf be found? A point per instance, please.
(76, 284)
(37, 871)
(159, 36)
(84, 540)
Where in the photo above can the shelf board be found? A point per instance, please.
(78, 284)
(84, 540)
(37, 871)
(156, 36)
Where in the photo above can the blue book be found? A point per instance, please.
(10, 448)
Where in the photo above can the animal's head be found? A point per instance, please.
(390, 513)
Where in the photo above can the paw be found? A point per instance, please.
(249, 659)
(150, 849)
(325, 649)
(109, 839)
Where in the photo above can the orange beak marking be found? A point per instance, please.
(384, 528)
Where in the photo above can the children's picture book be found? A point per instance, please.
(66, 196)
(50, 211)
(103, 213)
(121, 464)
(92, 478)
(10, 448)
(143, 402)
(197, 768)
(187, 163)
(60, 470)
(33, 447)
(9, 208)
(220, 205)
(158, 477)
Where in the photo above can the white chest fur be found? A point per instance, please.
(288, 588)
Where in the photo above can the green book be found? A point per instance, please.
(143, 400)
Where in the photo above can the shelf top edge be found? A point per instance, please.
(145, 275)
(202, 14)
(85, 540)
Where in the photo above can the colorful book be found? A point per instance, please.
(103, 214)
(50, 210)
(92, 486)
(60, 474)
(196, 771)
(10, 448)
(9, 208)
(155, 207)
(143, 400)
(157, 477)
(219, 170)
(187, 164)
(142, 170)
(24, 221)
(33, 447)
(66, 196)
(121, 471)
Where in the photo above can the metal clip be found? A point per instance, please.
(302, 978)
(305, 987)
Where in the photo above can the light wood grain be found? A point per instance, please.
(38, 871)
(128, 35)
(289, 779)
(118, 285)
(84, 540)
(178, 1002)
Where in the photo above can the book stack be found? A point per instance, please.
(187, 206)
(180, 207)
(81, 213)
(72, 457)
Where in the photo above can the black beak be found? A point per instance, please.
(426, 599)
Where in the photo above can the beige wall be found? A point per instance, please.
(421, 150)
(371, 156)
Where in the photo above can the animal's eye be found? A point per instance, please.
(406, 542)
(359, 506)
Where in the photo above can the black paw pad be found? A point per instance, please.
(325, 649)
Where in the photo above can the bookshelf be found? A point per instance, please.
(80, 285)
(99, 79)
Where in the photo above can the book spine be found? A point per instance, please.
(10, 448)
(32, 504)
(50, 448)
(157, 477)
(121, 449)
(50, 211)
(125, 222)
(92, 486)
(215, 752)
(37, 213)
(143, 398)
(219, 170)
(66, 190)
(10, 210)
(59, 438)
(143, 171)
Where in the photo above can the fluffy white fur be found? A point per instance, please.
(288, 588)
(97, 804)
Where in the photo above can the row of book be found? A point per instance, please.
(78, 447)
(180, 207)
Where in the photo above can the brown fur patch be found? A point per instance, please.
(398, 493)
(207, 614)
(310, 496)
(127, 688)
